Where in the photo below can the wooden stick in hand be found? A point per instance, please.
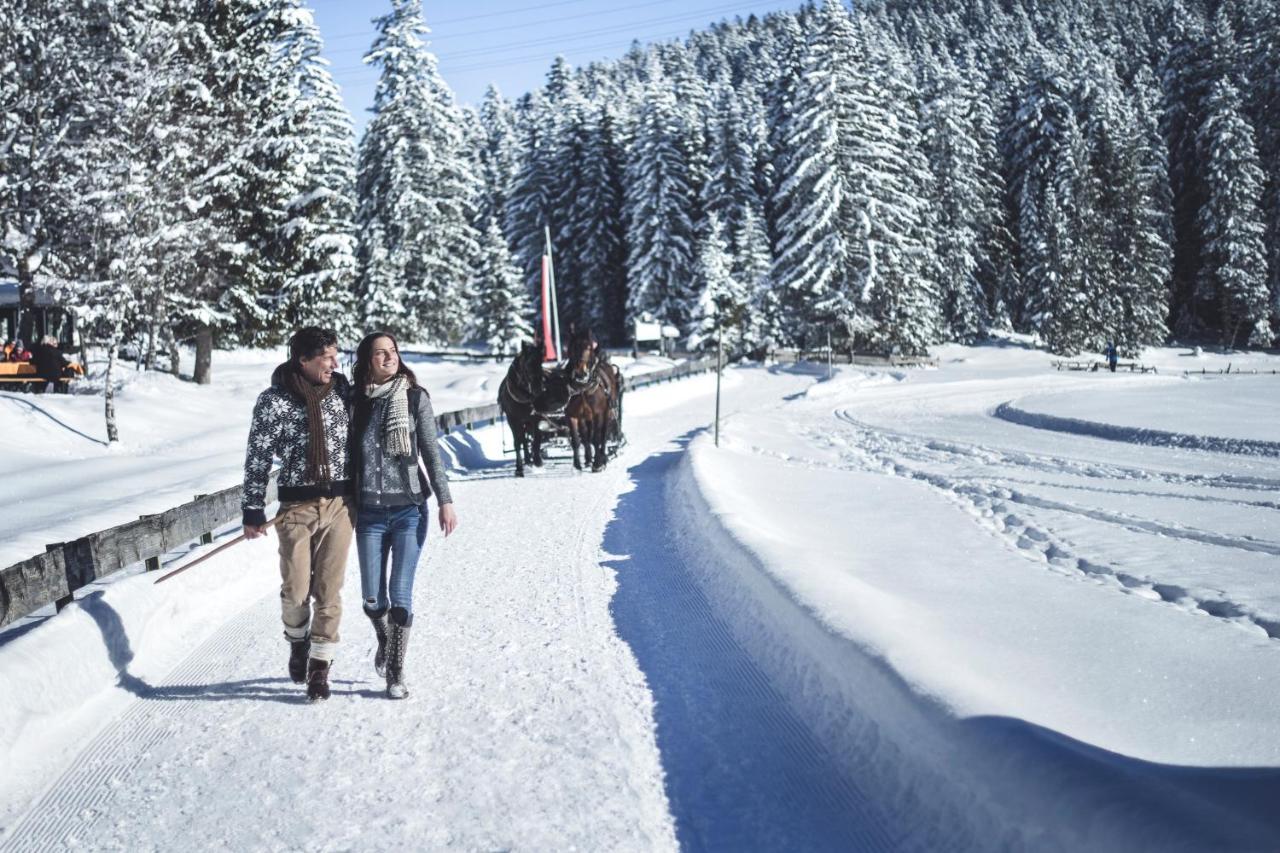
(224, 546)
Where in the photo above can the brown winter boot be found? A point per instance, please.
(317, 680)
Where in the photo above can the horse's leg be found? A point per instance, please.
(536, 459)
(600, 430)
(573, 440)
(588, 443)
(517, 434)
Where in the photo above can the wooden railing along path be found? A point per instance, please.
(54, 576)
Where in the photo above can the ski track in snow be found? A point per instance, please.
(996, 505)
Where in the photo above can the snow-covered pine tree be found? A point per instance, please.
(1035, 144)
(1261, 50)
(1186, 74)
(764, 326)
(415, 190)
(720, 300)
(891, 183)
(245, 141)
(594, 218)
(318, 234)
(43, 110)
(501, 305)
(497, 156)
(530, 203)
(1232, 228)
(126, 201)
(1151, 215)
(571, 122)
(1064, 299)
(950, 142)
(659, 197)
(736, 150)
(812, 256)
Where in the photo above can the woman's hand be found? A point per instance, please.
(448, 519)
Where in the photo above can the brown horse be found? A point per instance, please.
(596, 387)
(516, 396)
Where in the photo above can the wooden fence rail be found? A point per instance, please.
(788, 356)
(54, 576)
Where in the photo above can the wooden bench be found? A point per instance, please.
(22, 375)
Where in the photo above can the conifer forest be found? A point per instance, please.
(893, 175)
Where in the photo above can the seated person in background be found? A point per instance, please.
(19, 352)
(51, 365)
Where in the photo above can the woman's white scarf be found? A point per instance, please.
(395, 429)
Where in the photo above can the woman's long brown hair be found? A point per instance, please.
(364, 360)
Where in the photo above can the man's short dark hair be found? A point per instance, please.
(311, 341)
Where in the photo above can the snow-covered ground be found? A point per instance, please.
(876, 617)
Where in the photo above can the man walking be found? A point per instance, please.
(302, 420)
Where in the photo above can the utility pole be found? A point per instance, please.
(829, 355)
(719, 370)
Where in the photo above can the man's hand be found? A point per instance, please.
(253, 531)
(448, 519)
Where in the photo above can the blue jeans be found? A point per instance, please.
(389, 537)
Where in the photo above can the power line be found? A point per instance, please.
(436, 36)
(538, 57)
(538, 7)
(562, 40)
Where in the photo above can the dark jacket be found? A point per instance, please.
(48, 362)
(279, 431)
(385, 481)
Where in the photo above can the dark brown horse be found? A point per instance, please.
(516, 395)
(596, 387)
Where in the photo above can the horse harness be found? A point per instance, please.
(521, 374)
(593, 383)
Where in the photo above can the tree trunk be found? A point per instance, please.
(153, 332)
(109, 391)
(25, 326)
(174, 353)
(204, 355)
(78, 333)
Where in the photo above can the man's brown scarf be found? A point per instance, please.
(317, 447)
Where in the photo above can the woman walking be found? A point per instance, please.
(393, 437)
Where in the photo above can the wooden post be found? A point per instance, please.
(71, 595)
(719, 371)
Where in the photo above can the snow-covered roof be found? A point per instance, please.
(45, 297)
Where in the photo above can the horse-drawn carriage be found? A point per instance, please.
(579, 401)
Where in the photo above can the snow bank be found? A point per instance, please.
(981, 702)
(1232, 414)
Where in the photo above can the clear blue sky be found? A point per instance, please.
(512, 42)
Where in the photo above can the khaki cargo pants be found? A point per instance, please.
(315, 537)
